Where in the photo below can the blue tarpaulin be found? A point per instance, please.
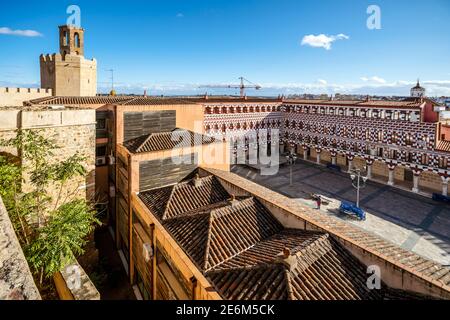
(352, 209)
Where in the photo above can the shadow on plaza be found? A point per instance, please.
(403, 207)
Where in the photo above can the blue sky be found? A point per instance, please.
(172, 47)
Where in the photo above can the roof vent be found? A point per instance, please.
(233, 200)
(197, 181)
(285, 257)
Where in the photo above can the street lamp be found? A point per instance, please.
(291, 158)
(358, 182)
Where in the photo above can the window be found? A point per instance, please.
(100, 151)
(101, 124)
(424, 159)
(380, 136)
(389, 115)
(77, 40)
(408, 139)
(394, 137)
(443, 163)
(65, 39)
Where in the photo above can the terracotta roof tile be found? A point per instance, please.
(178, 138)
(119, 100)
(443, 145)
(184, 197)
(247, 254)
(407, 103)
(343, 230)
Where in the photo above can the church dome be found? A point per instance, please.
(417, 91)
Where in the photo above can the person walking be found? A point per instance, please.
(319, 202)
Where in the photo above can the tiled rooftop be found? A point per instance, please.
(178, 138)
(246, 253)
(404, 259)
(151, 100)
(416, 103)
(443, 145)
(118, 100)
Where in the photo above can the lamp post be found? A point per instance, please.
(291, 158)
(358, 182)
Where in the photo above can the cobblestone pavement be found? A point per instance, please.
(409, 220)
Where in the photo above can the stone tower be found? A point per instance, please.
(71, 40)
(68, 73)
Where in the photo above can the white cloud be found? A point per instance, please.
(373, 79)
(22, 33)
(180, 15)
(396, 88)
(322, 40)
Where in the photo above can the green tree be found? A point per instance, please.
(52, 231)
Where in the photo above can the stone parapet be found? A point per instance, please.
(16, 280)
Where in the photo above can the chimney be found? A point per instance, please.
(245, 97)
(197, 181)
(145, 93)
(206, 95)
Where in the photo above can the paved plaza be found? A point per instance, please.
(409, 220)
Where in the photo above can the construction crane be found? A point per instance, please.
(242, 86)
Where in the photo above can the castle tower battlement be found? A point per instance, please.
(68, 73)
(11, 97)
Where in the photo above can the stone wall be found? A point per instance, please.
(71, 129)
(72, 283)
(16, 281)
(16, 96)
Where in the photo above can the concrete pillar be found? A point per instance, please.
(305, 153)
(415, 188)
(445, 185)
(333, 160)
(369, 171)
(391, 177)
(318, 157)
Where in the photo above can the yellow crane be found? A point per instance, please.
(242, 86)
